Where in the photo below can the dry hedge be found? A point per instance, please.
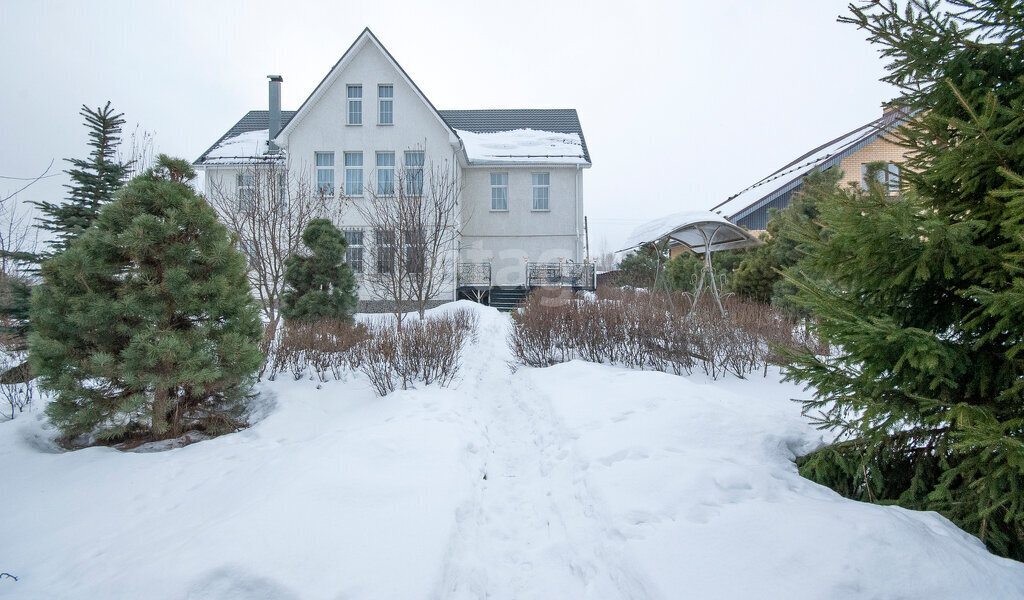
(426, 351)
(638, 330)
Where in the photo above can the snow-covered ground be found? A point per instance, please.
(576, 481)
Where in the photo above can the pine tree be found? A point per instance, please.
(145, 325)
(321, 285)
(94, 180)
(923, 295)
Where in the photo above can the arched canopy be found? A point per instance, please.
(699, 230)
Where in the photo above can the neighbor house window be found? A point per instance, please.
(385, 104)
(354, 254)
(245, 183)
(384, 239)
(325, 173)
(888, 175)
(414, 173)
(354, 173)
(385, 172)
(355, 105)
(541, 185)
(499, 191)
(415, 251)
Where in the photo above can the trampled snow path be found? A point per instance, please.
(531, 528)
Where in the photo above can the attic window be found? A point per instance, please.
(887, 174)
(355, 105)
(385, 105)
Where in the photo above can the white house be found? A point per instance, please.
(520, 170)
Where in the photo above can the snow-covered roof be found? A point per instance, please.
(792, 174)
(492, 120)
(691, 228)
(240, 144)
(244, 147)
(523, 145)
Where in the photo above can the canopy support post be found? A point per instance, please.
(707, 270)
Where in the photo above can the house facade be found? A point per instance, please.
(851, 153)
(367, 128)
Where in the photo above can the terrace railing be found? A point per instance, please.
(475, 274)
(561, 274)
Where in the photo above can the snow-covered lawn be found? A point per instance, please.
(576, 481)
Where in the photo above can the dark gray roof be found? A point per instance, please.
(254, 120)
(560, 120)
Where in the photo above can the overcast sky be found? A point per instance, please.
(682, 103)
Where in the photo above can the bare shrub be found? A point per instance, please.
(659, 332)
(324, 349)
(17, 391)
(426, 350)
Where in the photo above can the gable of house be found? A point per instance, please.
(751, 207)
(365, 60)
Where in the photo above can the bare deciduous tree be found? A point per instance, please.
(414, 223)
(267, 207)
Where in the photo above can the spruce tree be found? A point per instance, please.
(93, 180)
(145, 325)
(922, 296)
(321, 285)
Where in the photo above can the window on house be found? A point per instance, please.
(385, 172)
(282, 191)
(245, 183)
(499, 191)
(415, 251)
(355, 105)
(385, 104)
(887, 174)
(384, 240)
(354, 254)
(325, 173)
(353, 173)
(414, 173)
(541, 186)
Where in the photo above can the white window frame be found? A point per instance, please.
(415, 251)
(282, 190)
(889, 177)
(385, 174)
(541, 187)
(352, 189)
(384, 240)
(414, 173)
(322, 170)
(496, 187)
(245, 189)
(354, 253)
(354, 104)
(387, 101)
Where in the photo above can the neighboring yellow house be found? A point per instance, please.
(850, 152)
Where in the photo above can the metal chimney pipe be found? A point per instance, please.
(275, 110)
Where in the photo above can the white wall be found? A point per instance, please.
(508, 239)
(324, 128)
